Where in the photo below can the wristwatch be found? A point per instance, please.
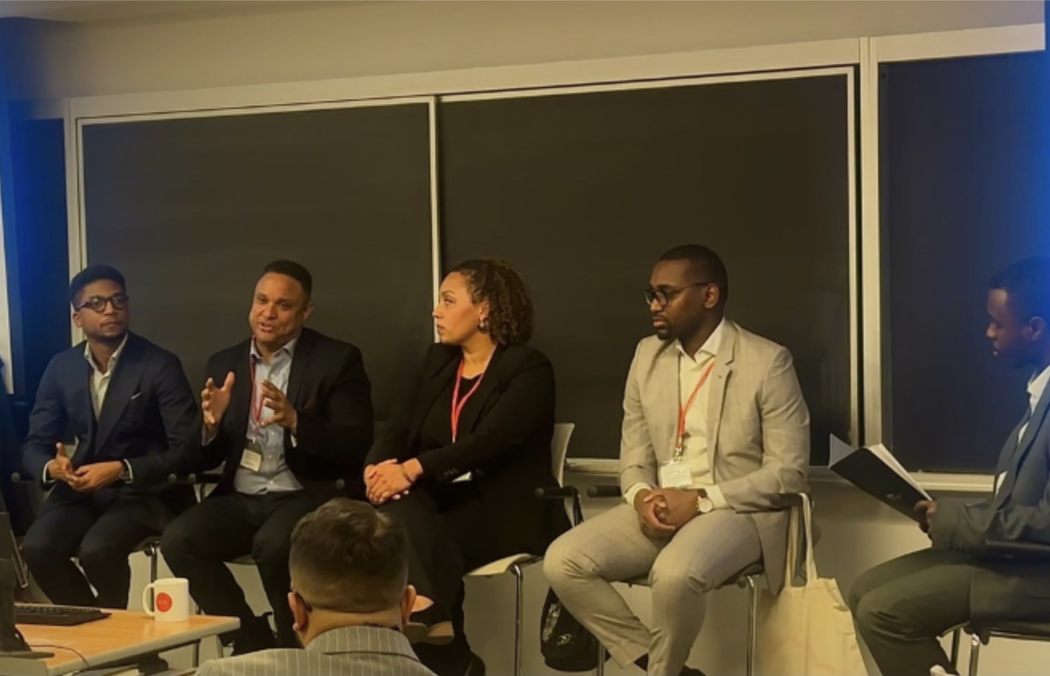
(703, 503)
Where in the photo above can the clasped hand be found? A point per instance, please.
(86, 479)
(389, 480)
(662, 511)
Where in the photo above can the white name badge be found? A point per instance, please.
(675, 474)
(251, 460)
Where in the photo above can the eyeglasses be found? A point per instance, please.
(98, 303)
(665, 296)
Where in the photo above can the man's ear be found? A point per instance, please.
(309, 310)
(1038, 328)
(299, 613)
(76, 319)
(407, 601)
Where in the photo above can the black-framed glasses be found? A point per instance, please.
(119, 301)
(664, 296)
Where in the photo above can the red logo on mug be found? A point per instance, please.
(163, 603)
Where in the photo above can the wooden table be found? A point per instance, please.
(123, 636)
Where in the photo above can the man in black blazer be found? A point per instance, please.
(292, 421)
(131, 410)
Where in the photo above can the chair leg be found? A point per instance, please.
(956, 639)
(600, 669)
(975, 653)
(752, 628)
(519, 593)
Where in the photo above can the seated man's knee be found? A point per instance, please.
(271, 549)
(38, 550)
(97, 554)
(677, 577)
(564, 561)
(871, 613)
(176, 543)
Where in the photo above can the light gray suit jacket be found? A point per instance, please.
(1018, 512)
(349, 651)
(757, 422)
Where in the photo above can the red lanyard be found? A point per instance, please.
(257, 399)
(457, 403)
(682, 411)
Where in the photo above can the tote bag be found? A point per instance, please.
(807, 630)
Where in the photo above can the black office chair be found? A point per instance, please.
(981, 633)
(747, 578)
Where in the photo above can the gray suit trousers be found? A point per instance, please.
(581, 565)
(904, 605)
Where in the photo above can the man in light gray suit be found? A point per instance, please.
(714, 429)
(350, 600)
(903, 605)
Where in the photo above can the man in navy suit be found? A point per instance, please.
(131, 410)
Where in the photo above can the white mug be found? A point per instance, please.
(171, 600)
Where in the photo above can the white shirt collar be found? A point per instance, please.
(710, 346)
(288, 347)
(1037, 385)
(112, 360)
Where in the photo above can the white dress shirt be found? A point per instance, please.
(691, 369)
(99, 386)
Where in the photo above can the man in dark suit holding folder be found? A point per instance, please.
(129, 406)
(902, 606)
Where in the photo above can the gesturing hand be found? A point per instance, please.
(61, 468)
(646, 503)
(283, 412)
(215, 401)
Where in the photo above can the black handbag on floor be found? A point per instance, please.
(565, 643)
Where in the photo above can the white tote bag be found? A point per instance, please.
(808, 630)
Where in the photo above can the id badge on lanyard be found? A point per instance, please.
(675, 473)
(252, 455)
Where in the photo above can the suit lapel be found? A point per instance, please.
(127, 373)
(240, 400)
(441, 369)
(304, 350)
(1013, 464)
(719, 378)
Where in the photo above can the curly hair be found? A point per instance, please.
(510, 317)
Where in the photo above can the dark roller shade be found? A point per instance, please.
(964, 185)
(191, 209)
(582, 192)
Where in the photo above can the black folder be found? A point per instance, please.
(876, 472)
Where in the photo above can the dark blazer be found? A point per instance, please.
(504, 439)
(147, 419)
(1018, 512)
(333, 398)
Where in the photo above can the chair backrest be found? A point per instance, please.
(560, 449)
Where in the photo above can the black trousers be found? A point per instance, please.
(223, 528)
(101, 530)
(450, 532)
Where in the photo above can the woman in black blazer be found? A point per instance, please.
(465, 449)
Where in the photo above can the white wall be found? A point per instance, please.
(338, 40)
(348, 40)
